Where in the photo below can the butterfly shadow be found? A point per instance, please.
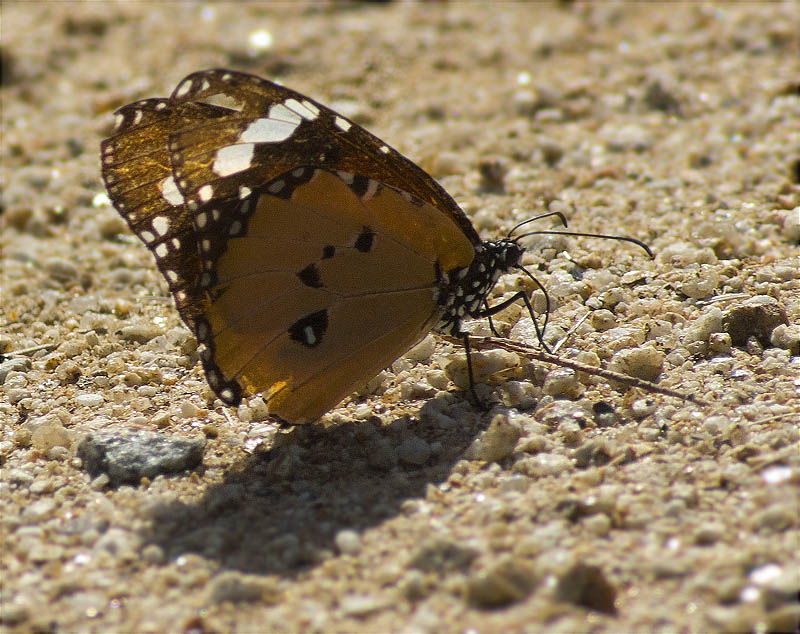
(279, 509)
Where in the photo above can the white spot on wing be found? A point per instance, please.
(161, 225)
(343, 124)
(244, 192)
(183, 88)
(346, 177)
(161, 250)
(278, 126)
(385, 149)
(302, 109)
(372, 188)
(170, 192)
(314, 110)
(268, 130)
(233, 158)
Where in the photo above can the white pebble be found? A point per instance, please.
(348, 542)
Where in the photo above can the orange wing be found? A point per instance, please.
(324, 287)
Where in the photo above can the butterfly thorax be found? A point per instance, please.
(462, 292)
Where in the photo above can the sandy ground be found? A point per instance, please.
(566, 505)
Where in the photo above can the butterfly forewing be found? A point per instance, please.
(272, 129)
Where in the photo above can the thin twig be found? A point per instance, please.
(24, 351)
(479, 343)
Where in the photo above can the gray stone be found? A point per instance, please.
(127, 456)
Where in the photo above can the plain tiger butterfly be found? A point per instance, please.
(304, 253)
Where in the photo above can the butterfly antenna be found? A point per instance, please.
(549, 214)
(579, 234)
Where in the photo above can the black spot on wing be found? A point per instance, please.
(365, 240)
(360, 185)
(328, 252)
(310, 276)
(310, 330)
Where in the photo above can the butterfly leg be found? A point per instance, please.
(488, 311)
(489, 318)
(470, 374)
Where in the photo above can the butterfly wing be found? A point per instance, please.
(321, 287)
(303, 252)
(270, 129)
(138, 176)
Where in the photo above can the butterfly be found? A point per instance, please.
(304, 253)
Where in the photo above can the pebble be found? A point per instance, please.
(501, 585)
(709, 534)
(423, 351)
(360, 605)
(237, 587)
(782, 588)
(14, 613)
(129, 455)
(587, 586)
(414, 451)
(791, 226)
(593, 453)
(777, 517)
(599, 524)
(57, 453)
(497, 442)
(89, 400)
(443, 556)
(484, 365)
(139, 333)
(720, 343)
(414, 586)
(348, 542)
(38, 511)
(642, 407)
(19, 476)
(49, 434)
(754, 317)
(60, 270)
(643, 363)
(603, 319)
(189, 410)
(117, 542)
(543, 464)
(14, 364)
(381, 454)
(701, 282)
(563, 382)
(787, 338)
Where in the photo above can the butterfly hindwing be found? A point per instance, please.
(341, 294)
